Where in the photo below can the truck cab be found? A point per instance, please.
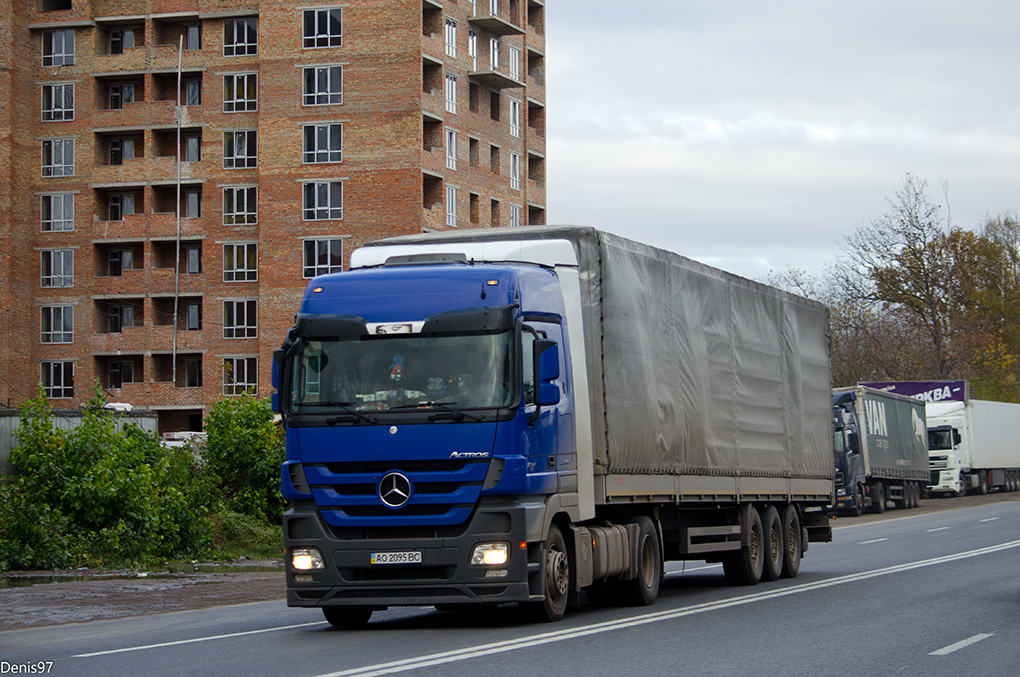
(443, 385)
(851, 478)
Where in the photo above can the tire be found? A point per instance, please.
(983, 484)
(744, 566)
(772, 530)
(859, 502)
(347, 617)
(792, 541)
(903, 503)
(644, 589)
(557, 580)
(912, 492)
(878, 500)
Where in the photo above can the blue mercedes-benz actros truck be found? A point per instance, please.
(519, 415)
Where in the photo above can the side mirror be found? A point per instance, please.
(957, 437)
(274, 399)
(547, 368)
(854, 440)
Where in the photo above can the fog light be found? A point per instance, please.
(490, 554)
(306, 559)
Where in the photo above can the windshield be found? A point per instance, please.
(940, 439)
(403, 371)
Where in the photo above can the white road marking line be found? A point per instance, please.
(946, 650)
(197, 639)
(937, 529)
(598, 628)
(989, 519)
(874, 540)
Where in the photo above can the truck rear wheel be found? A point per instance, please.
(644, 588)
(792, 543)
(744, 566)
(557, 580)
(347, 617)
(772, 530)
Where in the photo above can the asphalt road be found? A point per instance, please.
(924, 594)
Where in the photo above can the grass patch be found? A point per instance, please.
(235, 535)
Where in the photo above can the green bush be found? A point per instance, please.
(235, 535)
(95, 496)
(244, 450)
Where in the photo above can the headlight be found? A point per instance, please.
(841, 492)
(490, 554)
(306, 559)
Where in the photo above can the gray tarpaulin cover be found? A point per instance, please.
(692, 370)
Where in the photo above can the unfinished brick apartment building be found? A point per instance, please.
(306, 129)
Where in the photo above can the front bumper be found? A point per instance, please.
(444, 575)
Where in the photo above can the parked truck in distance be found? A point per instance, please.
(519, 415)
(973, 446)
(881, 449)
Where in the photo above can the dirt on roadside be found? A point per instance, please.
(85, 595)
(89, 595)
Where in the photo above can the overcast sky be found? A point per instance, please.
(753, 135)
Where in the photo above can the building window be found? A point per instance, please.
(121, 372)
(473, 49)
(193, 260)
(323, 27)
(323, 257)
(323, 200)
(193, 37)
(58, 47)
(121, 94)
(120, 317)
(58, 157)
(240, 149)
(120, 150)
(58, 102)
(192, 147)
(451, 149)
(240, 36)
(324, 143)
(515, 63)
(120, 260)
(121, 39)
(240, 375)
(57, 324)
(515, 171)
(57, 212)
(451, 38)
(515, 216)
(451, 94)
(192, 316)
(515, 118)
(193, 372)
(192, 92)
(240, 92)
(57, 380)
(57, 267)
(121, 204)
(240, 205)
(324, 85)
(240, 319)
(494, 53)
(240, 262)
(192, 204)
(451, 206)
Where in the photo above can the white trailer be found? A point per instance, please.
(973, 446)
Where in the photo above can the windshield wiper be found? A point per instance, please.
(346, 407)
(456, 414)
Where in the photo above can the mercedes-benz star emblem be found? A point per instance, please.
(395, 489)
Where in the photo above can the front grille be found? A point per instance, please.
(369, 467)
(383, 511)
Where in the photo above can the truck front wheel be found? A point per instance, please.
(347, 617)
(557, 580)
